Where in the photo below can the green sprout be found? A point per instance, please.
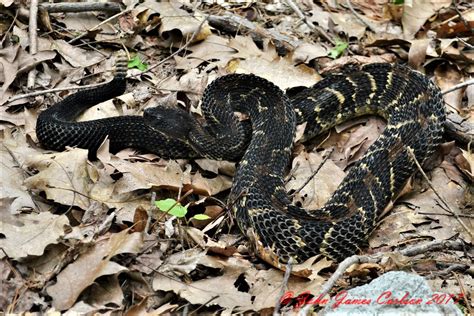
(136, 62)
(338, 49)
(173, 207)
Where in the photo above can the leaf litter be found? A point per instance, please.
(85, 236)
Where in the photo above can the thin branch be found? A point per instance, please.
(35, 93)
(315, 172)
(284, 286)
(233, 23)
(33, 37)
(81, 7)
(449, 209)
(459, 86)
(98, 25)
(463, 20)
(435, 245)
(314, 28)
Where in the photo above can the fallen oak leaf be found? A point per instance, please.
(90, 265)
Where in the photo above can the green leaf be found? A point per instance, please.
(338, 49)
(136, 62)
(398, 2)
(201, 217)
(170, 206)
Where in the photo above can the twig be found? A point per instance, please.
(463, 292)
(463, 20)
(284, 286)
(459, 86)
(81, 6)
(5, 34)
(35, 93)
(316, 29)
(358, 17)
(98, 25)
(409, 251)
(461, 267)
(411, 153)
(232, 23)
(314, 173)
(33, 37)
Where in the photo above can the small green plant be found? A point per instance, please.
(136, 62)
(398, 2)
(338, 49)
(173, 207)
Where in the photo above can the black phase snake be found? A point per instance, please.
(410, 103)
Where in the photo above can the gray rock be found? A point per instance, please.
(394, 293)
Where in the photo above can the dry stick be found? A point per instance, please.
(35, 93)
(4, 35)
(458, 86)
(315, 172)
(357, 15)
(232, 23)
(284, 284)
(409, 251)
(98, 25)
(318, 30)
(80, 7)
(463, 292)
(33, 37)
(463, 20)
(410, 151)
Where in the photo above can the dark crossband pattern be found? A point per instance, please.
(411, 104)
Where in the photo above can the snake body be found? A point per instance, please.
(411, 104)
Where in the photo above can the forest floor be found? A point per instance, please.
(89, 236)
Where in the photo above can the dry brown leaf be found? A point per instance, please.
(13, 195)
(306, 52)
(265, 285)
(267, 64)
(321, 187)
(361, 139)
(424, 218)
(145, 175)
(62, 176)
(217, 166)
(466, 163)
(223, 246)
(95, 262)
(219, 291)
(15, 61)
(176, 24)
(214, 49)
(416, 12)
(210, 187)
(180, 263)
(417, 52)
(348, 23)
(105, 295)
(30, 234)
(77, 57)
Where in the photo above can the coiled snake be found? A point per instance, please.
(410, 103)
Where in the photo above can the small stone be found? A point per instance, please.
(394, 293)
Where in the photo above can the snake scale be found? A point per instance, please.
(409, 102)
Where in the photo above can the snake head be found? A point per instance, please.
(171, 121)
